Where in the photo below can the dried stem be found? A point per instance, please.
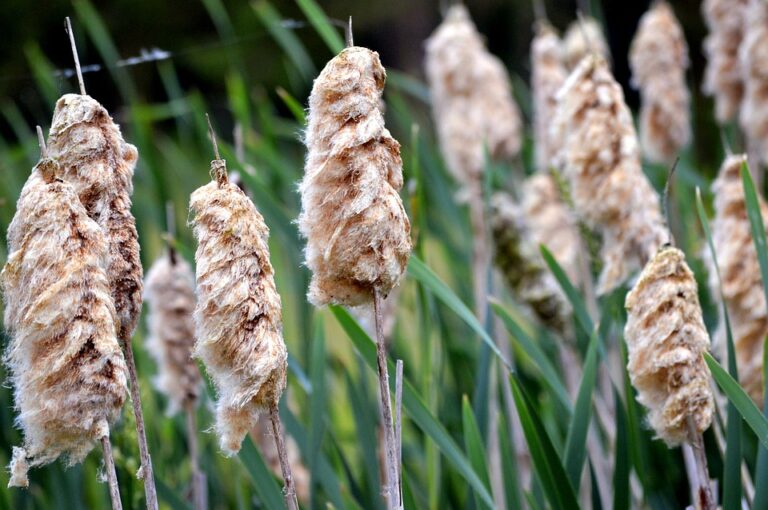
(348, 34)
(399, 424)
(109, 467)
(41, 142)
(170, 226)
(145, 471)
(78, 71)
(391, 489)
(289, 491)
(698, 473)
(199, 492)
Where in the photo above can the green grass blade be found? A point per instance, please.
(286, 38)
(166, 494)
(577, 302)
(576, 441)
(532, 348)
(546, 463)
(621, 460)
(293, 105)
(415, 408)
(263, 481)
(509, 465)
(747, 409)
(756, 224)
(421, 272)
(318, 400)
(761, 469)
(322, 25)
(473, 443)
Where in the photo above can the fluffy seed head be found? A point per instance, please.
(66, 366)
(659, 58)
(666, 338)
(742, 284)
(548, 74)
(358, 235)
(96, 160)
(753, 55)
(472, 101)
(238, 317)
(601, 162)
(722, 76)
(170, 294)
(584, 37)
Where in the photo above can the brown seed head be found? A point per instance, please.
(666, 338)
(238, 317)
(472, 101)
(753, 55)
(67, 369)
(742, 284)
(170, 294)
(358, 235)
(601, 162)
(723, 76)
(96, 160)
(659, 58)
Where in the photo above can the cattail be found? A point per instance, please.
(472, 100)
(659, 57)
(601, 162)
(519, 261)
(666, 338)
(742, 285)
(753, 59)
(583, 37)
(263, 437)
(99, 164)
(548, 74)
(67, 369)
(352, 215)
(238, 316)
(722, 76)
(170, 295)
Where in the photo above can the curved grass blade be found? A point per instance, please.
(532, 348)
(473, 443)
(761, 469)
(576, 440)
(577, 302)
(621, 462)
(421, 272)
(317, 404)
(546, 463)
(284, 37)
(167, 495)
(747, 409)
(416, 409)
(263, 481)
(322, 25)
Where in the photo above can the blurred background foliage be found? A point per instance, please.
(251, 65)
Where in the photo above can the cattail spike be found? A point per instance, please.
(539, 11)
(665, 200)
(41, 142)
(348, 34)
(78, 71)
(218, 166)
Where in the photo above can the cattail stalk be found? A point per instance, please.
(659, 58)
(99, 164)
(109, 467)
(289, 491)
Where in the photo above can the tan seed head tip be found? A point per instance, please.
(18, 468)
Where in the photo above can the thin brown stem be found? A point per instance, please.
(109, 467)
(289, 491)
(78, 71)
(698, 473)
(199, 493)
(348, 34)
(391, 489)
(170, 226)
(145, 471)
(41, 142)
(399, 424)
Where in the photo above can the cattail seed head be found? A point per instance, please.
(601, 162)
(722, 76)
(472, 101)
(753, 58)
(658, 58)
(742, 284)
(548, 74)
(67, 369)
(584, 37)
(666, 338)
(170, 294)
(238, 316)
(96, 160)
(357, 231)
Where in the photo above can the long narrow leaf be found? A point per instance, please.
(263, 481)
(473, 442)
(577, 302)
(322, 25)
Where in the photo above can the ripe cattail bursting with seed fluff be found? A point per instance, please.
(659, 58)
(170, 295)
(666, 338)
(547, 76)
(742, 284)
(722, 76)
(753, 58)
(99, 164)
(67, 369)
(358, 235)
(584, 37)
(238, 317)
(472, 101)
